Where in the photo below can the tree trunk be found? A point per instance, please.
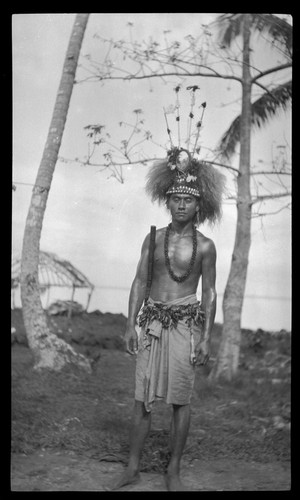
(227, 361)
(48, 350)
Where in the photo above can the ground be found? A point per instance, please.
(67, 471)
(70, 429)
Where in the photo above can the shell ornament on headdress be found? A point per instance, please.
(181, 173)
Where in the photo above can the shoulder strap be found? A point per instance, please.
(151, 259)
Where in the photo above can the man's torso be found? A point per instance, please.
(180, 249)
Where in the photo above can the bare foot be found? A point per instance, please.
(174, 483)
(128, 477)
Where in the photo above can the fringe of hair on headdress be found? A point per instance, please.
(210, 182)
(159, 179)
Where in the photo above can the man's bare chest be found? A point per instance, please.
(179, 250)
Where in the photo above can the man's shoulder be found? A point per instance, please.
(207, 244)
(160, 232)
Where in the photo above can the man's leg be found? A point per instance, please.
(179, 431)
(140, 426)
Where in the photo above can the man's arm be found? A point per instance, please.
(136, 298)
(209, 299)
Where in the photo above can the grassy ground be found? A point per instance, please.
(90, 414)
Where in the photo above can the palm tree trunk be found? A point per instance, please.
(48, 350)
(228, 355)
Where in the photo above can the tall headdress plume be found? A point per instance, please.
(182, 173)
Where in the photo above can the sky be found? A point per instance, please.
(98, 223)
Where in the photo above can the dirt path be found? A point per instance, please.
(64, 471)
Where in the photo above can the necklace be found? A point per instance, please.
(184, 276)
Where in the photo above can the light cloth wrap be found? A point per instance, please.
(164, 365)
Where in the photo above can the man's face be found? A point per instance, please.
(182, 207)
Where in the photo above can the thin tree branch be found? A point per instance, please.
(160, 75)
(107, 165)
(136, 162)
(267, 172)
(273, 212)
(211, 162)
(264, 88)
(271, 70)
(258, 199)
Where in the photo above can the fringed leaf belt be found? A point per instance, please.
(156, 316)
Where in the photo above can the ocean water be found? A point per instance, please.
(268, 313)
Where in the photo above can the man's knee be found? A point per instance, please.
(177, 407)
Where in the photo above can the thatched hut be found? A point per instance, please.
(54, 272)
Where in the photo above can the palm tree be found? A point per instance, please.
(274, 99)
(47, 349)
(255, 114)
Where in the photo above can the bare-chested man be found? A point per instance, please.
(175, 326)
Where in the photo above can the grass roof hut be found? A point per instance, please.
(54, 272)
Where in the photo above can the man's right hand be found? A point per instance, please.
(131, 340)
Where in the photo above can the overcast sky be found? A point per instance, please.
(98, 223)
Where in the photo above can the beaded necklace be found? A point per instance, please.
(184, 276)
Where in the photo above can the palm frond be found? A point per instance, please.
(279, 30)
(227, 144)
(230, 27)
(262, 110)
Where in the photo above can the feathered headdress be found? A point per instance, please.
(187, 176)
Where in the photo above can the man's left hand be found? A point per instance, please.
(203, 354)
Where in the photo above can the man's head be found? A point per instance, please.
(183, 207)
(191, 178)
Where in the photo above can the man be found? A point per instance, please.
(175, 327)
